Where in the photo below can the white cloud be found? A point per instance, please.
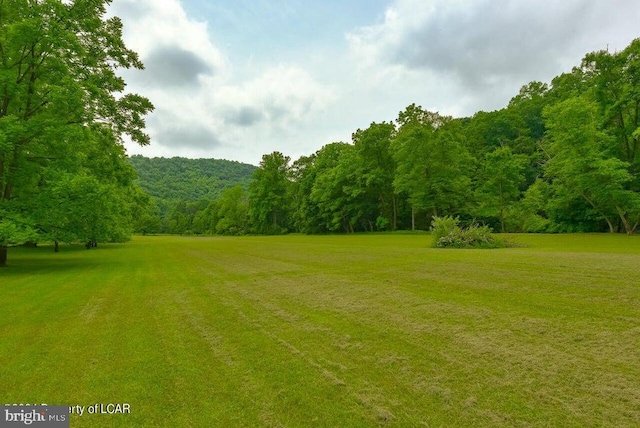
(296, 91)
(488, 48)
(151, 25)
(202, 107)
(281, 95)
(271, 112)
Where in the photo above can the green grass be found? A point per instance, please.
(331, 331)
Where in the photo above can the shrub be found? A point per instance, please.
(382, 223)
(447, 233)
(443, 226)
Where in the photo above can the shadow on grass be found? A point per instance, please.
(43, 260)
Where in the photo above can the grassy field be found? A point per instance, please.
(332, 331)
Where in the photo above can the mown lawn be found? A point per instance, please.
(332, 331)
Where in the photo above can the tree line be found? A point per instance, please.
(560, 157)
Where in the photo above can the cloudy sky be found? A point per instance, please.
(235, 79)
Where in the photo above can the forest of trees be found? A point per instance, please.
(561, 157)
(189, 180)
(179, 188)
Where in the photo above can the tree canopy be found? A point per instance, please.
(189, 180)
(63, 114)
(562, 156)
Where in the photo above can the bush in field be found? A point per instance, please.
(443, 226)
(448, 233)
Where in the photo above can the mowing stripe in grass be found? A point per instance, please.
(328, 331)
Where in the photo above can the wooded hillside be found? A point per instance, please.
(189, 179)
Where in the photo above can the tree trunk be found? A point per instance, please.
(628, 228)
(3, 255)
(413, 218)
(395, 212)
(56, 248)
(7, 191)
(611, 228)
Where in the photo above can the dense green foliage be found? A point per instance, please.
(447, 233)
(269, 193)
(559, 158)
(361, 330)
(202, 196)
(63, 170)
(189, 179)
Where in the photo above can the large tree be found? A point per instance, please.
(269, 195)
(58, 83)
(500, 180)
(581, 162)
(233, 211)
(433, 164)
(376, 169)
(331, 204)
(615, 79)
(305, 211)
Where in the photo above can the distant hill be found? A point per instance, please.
(189, 179)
